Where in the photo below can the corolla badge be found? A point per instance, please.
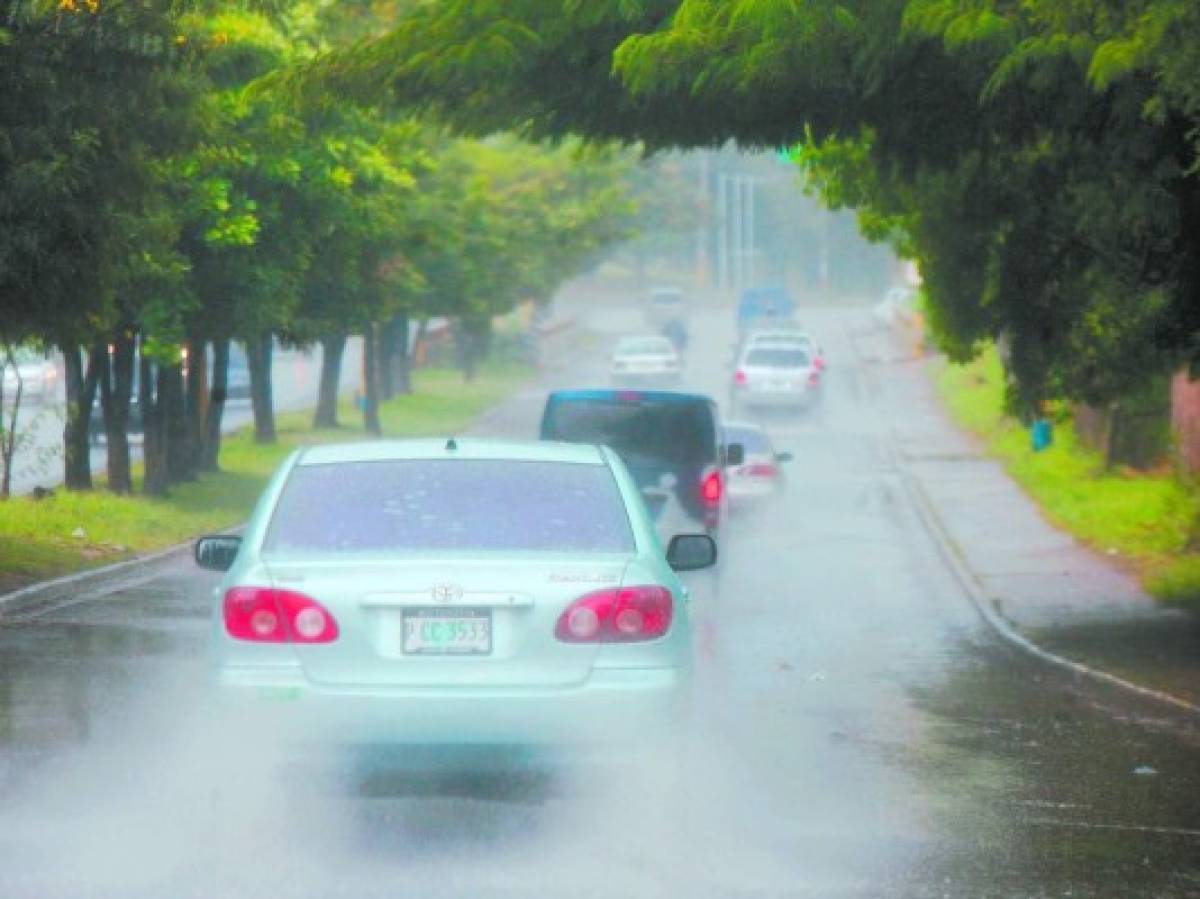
(444, 593)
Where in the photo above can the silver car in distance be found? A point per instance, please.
(459, 592)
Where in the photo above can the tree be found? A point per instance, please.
(95, 95)
(1038, 158)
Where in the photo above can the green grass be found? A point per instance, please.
(1148, 518)
(71, 531)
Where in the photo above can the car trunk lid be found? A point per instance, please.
(448, 621)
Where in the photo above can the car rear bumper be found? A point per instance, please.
(612, 706)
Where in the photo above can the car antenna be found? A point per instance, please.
(451, 445)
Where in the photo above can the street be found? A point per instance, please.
(860, 730)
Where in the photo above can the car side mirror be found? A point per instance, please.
(735, 454)
(691, 552)
(217, 552)
(785, 456)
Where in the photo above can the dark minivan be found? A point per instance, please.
(671, 443)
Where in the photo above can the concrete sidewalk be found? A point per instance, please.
(1066, 597)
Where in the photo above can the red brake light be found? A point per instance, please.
(762, 470)
(739, 377)
(625, 615)
(710, 488)
(266, 615)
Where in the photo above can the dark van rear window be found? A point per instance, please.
(646, 432)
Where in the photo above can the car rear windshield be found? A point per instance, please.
(670, 435)
(452, 505)
(778, 358)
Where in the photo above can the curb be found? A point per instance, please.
(971, 585)
(29, 594)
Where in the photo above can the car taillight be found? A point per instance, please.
(710, 488)
(814, 378)
(266, 615)
(739, 377)
(762, 470)
(625, 615)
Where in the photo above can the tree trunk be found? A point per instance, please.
(117, 383)
(464, 349)
(333, 349)
(196, 405)
(386, 360)
(401, 362)
(371, 382)
(258, 355)
(171, 399)
(472, 340)
(81, 396)
(8, 431)
(151, 384)
(211, 450)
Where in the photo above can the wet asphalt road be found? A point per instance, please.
(860, 732)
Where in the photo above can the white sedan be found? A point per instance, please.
(782, 375)
(648, 360)
(760, 474)
(465, 592)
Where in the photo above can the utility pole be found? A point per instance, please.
(748, 229)
(722, 231)
(739, 247)
(703, 274)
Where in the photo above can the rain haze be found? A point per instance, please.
(433, 467)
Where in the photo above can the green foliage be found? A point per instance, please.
(1039, 159)
(1177, 581)
(1148, 519)
(150, 185)
(93, 97)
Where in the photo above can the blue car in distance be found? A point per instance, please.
(759, 306)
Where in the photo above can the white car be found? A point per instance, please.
(38, 376)
(649, 360)
(774, 375)
(787, 337)
(455, 592)
(759, 475)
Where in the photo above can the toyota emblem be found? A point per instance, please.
(444, 593)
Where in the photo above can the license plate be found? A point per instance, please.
(447, 632)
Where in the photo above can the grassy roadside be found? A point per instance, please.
(71, 531)
(1145, 519)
